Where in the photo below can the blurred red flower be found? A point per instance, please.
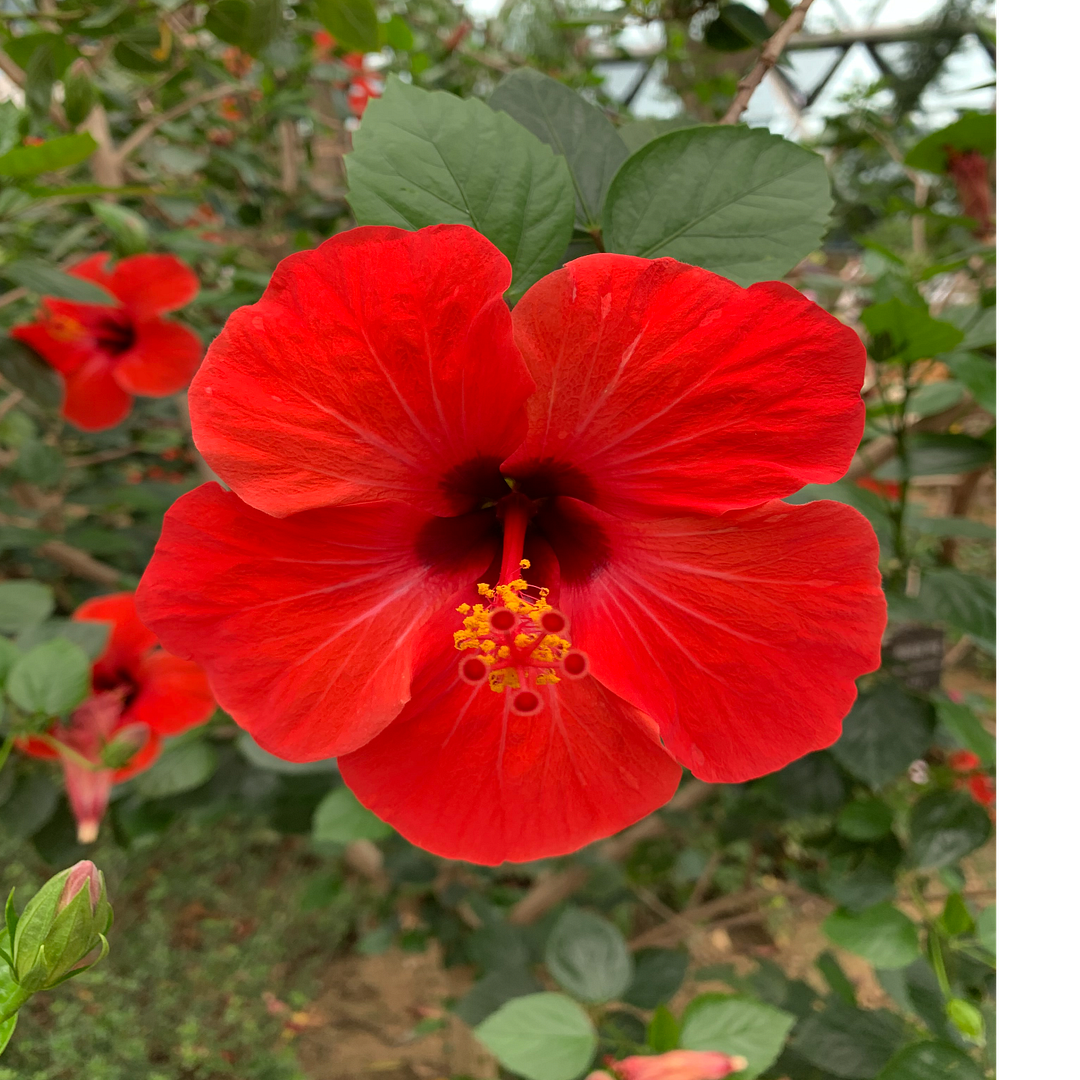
(970, 172)
(963, 761)
(674, 1065)
(104, 353)
(616, 446)
(982, 788)
(887, 489)
(140, 693)
(363, 86)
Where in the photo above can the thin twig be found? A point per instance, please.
(79, 562)
(11, 69)
(146, 129)
(770, 55)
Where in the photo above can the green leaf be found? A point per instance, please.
(263, 759)
(966, 601)
(31, 805)
(736, 1025)
(908, 333)
(967, 729)
(740, 202)
(636, 133)
(572, 127)
(248, 24)
(494, 990)
(973, 131)
(884, 733)
(183, 766)
(40, 464)
(351, 23)
(865, 819)
(58, 153)
(956, 919)
(881, 934)
(663, 1031)
(143, 49)
(340, 819)
(423, 158)
(90, 636)
(978, 374)
(834, 975)
(737, 27)
(936, 397)
(978, 323)
(9, 653)
(945, 826)
(986, 928)
(24, 604)
(588, 957)
(848, 1042)
(951, 526)
(128, 228)
(23, 368)
(39, 277)
(931, 1061)
(50, 679)
(7, 1029)
(658, 974)
(931, 454)
(541, 1037)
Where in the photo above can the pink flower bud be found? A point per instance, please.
(679, 1065)
(81, 873)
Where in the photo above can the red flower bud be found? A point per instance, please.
(679, 1065)
(82, 873)
(971, 174)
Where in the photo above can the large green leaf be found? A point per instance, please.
(906, 332)
(965, 601)
(931, 1061)
(933, 454)
(352, 23)
(50, 679)
(494, 990)
(849, 1042)
(541, 1037)
(340, 819)
(881, 934)
(183, 766)
(636, 133)
(58, 153)
(945, 826)
(658, 974)
(424, 158)
(572, 127)
(588, 957)
(248, 24)
(740, 202)
(39, 277)
(736, 1025)
(23, 604)
(967, 728)
(886, 730)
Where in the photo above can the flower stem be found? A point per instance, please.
(12, 996)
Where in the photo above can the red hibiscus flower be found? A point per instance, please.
(140, 693)
(105, 354)
(513, 569)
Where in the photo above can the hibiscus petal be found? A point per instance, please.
(162, 360)
(307, 627)
(93, 269)
(62, 334)
(740, 635)
(128, 638)
(459, 775)
(93, 399)
(149, 285)
(664, 388)
(173, 695)
(381, 365)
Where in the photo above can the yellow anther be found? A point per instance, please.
(524, 564)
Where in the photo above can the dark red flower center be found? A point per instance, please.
(114, 334)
